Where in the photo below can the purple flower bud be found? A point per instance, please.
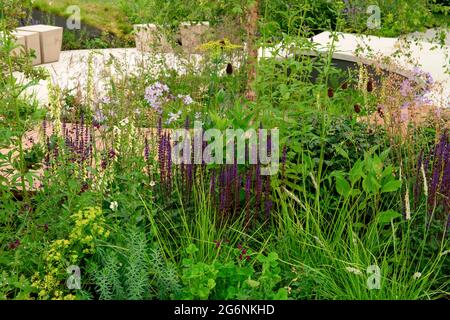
(283, 162)
(212, 184)
(146, 150)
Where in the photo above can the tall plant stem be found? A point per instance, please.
(252, 28)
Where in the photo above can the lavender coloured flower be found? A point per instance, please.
(187, 99)
(99, 118)
(405, 88)
(429, 78)
(422, 100)
(105, 100)
(154, 95)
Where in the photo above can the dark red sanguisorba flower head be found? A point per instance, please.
(330, 93)
(357, 108)
(370, 86)
(14, 245)
(229, 68)
(380, 111)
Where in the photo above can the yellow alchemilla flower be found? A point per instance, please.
(219, 45)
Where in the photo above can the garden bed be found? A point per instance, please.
(312, 169)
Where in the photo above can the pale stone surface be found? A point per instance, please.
(149, 37)
(193, 35)
(430, 35)
(21, 42)
(51, 41)
(71, 71)
(32, 42)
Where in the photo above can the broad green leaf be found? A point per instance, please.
(342, 186)
(356, 172)
(370, 183)
(391, 186)
(377, 165)
(388, 216)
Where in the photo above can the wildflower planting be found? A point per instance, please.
(241, 163)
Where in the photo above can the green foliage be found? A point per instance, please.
(107, 278)
(124, 278)
(137, 269)
(234, 278)
(13, 286)
(165, 276)
(341, 202)
(397, 17)
(170, 12)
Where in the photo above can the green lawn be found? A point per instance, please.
(103, 14)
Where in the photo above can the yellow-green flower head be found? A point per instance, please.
(219, 46)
